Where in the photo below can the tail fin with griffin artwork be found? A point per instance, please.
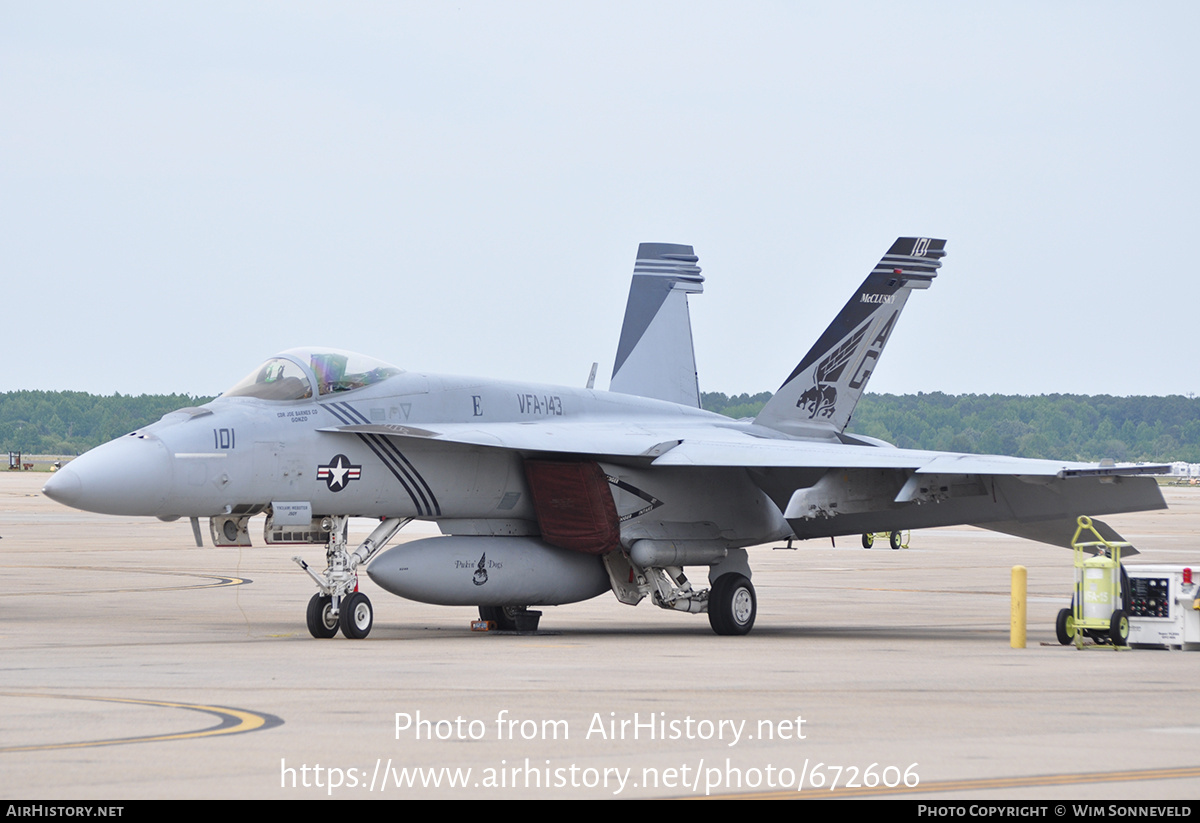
(824, 388)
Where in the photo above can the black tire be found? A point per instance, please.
(1118, 628)
(1064, 627)
(894, 540)
(357, 616)
(868, 540)
(505, 617)
(732, 605)
(321, 624)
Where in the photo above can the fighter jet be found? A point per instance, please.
(547, 495)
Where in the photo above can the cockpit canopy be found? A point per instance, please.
(292, 374)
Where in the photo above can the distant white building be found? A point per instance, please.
(1185, 470)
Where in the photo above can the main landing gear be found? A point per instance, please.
(731, 603)
(339, 604)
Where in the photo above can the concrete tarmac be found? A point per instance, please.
(138, 666)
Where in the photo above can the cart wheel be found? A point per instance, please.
(1118, 628)
(868, 540)
(894, 540)
(1064, 627)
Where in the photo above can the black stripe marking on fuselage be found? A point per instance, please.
(417, 503)
(402, 463)
(391, 456)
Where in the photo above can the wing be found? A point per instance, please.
(717, 446)
(829, 489)
(754, 452)
(826, 488)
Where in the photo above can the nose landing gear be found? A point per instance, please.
(339, 604)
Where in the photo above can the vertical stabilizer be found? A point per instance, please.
(655, 357)
(826, 386)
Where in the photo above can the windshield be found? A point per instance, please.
(277, 379)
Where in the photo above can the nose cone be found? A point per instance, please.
(129, 476)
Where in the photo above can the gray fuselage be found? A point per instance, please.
(240, 455)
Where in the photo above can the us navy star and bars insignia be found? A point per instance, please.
(338, 473)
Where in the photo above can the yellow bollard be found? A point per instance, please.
(1016, 630)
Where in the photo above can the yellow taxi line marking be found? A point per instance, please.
(232, 721)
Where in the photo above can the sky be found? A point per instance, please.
(188, 188)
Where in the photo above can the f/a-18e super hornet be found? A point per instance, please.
(548, 495)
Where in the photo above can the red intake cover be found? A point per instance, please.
(574, 506)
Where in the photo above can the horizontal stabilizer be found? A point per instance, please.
(1058, 532)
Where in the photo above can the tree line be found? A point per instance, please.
(71, 422)
(1053, 426)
